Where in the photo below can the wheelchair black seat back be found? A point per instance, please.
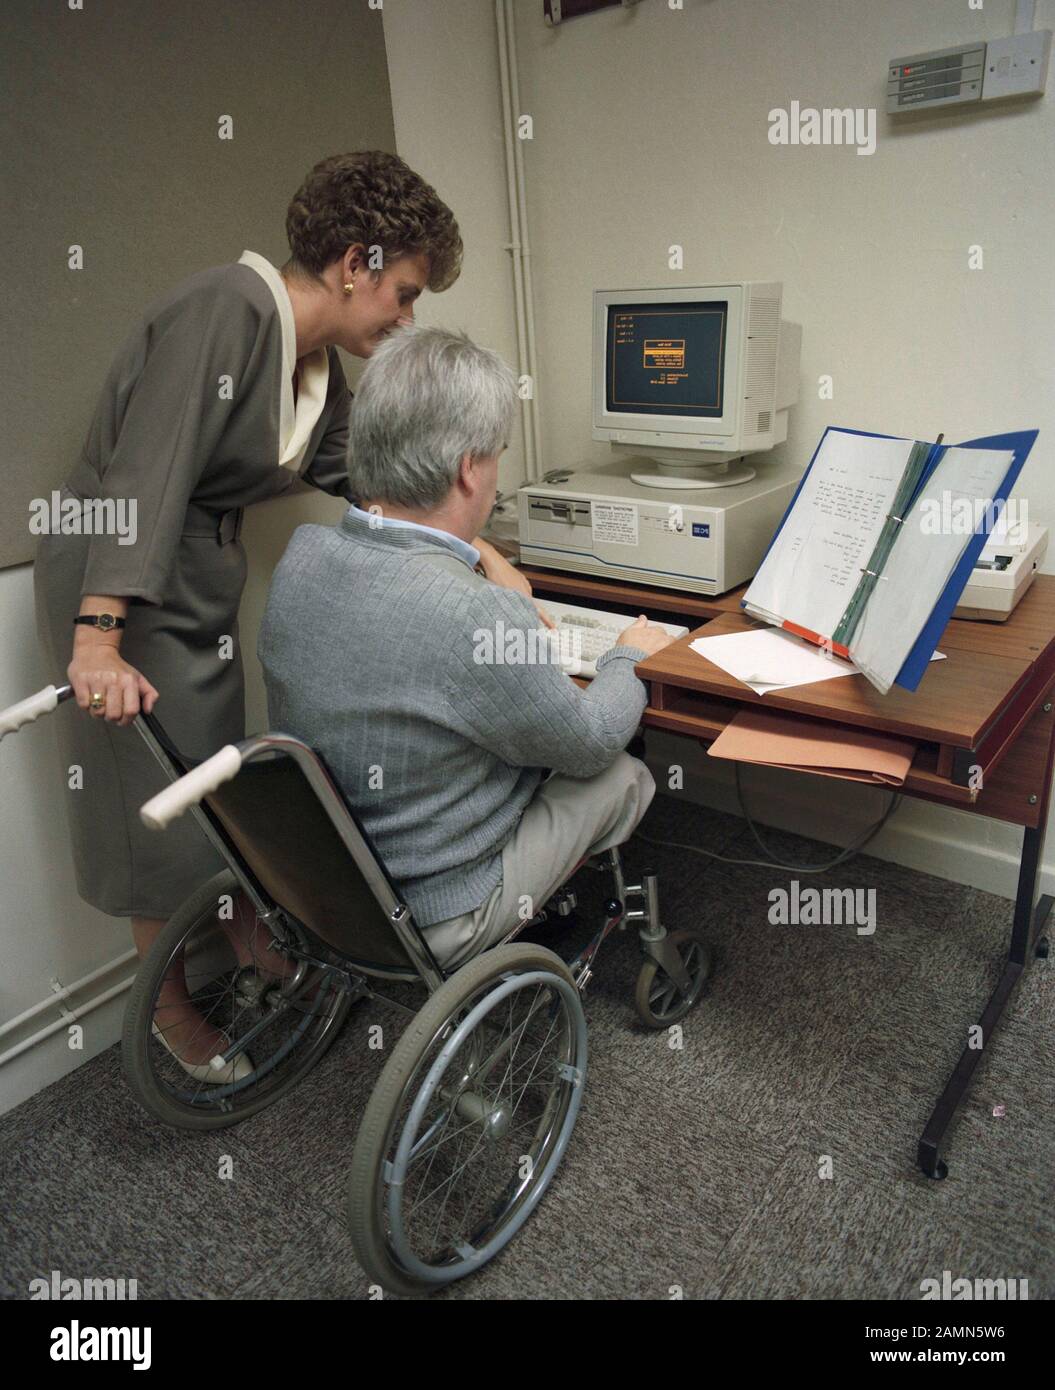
(314, 861)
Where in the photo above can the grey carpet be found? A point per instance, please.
(692, 1169)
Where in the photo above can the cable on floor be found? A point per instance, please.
(773, 862)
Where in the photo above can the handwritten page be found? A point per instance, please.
(815, 563)
(928, 547)
(766, 659)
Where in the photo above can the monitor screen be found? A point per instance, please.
(666, 359)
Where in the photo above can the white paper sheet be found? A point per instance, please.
(766, 659)
(814, 565)
(924, 555)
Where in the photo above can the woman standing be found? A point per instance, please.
(229, 388)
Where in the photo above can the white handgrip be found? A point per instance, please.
(190, 788)
(43, 702)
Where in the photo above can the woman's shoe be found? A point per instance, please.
(222, 1074)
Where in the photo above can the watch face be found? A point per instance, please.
(107, 622)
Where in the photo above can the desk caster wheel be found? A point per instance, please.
(657, 999)
(1043, 947)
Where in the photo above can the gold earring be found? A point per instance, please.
(349, 287)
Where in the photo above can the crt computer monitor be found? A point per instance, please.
(689, 380)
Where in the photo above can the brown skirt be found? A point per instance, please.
(122, 867)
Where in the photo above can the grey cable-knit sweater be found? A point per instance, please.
(375, 646)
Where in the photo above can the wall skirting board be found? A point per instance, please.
(36, 1049)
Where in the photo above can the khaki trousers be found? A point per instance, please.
(568, 819)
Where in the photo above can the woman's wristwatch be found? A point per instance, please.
(105, 622)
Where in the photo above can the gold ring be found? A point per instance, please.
(98, 700)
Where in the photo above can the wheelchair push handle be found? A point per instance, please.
(43, 702)
(189, 789)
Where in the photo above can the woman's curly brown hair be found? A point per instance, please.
(372, 197)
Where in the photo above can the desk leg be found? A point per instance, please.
(1030, 920)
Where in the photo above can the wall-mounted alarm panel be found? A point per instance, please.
(946, 77)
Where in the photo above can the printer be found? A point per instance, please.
(1003, 572)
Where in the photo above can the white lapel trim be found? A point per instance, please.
(296, 419)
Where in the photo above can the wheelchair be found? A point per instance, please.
(476, 1104)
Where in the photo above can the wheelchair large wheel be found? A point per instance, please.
(469, 1120)
(281, 1027)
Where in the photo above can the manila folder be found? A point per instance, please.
(799, 744)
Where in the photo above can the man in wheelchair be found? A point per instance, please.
(426, 687)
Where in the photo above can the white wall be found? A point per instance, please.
(446, 107)
(46, 931)
(650, 129)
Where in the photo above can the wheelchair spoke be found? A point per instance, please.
(534, 1068)
(463, 1172)
(439, 1145)
(462, 1130)
(419, 1150)
(449, 1184)
(418, 1153)
(204, 987)
(495, 1055)
(441, 1139)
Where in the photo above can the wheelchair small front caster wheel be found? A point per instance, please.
(1043, 948)
(657, 999)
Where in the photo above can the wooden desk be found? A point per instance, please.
(982, 720)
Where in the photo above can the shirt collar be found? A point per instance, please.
(297, 419)
(467, 552)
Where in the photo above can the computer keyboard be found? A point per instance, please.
(585, 634)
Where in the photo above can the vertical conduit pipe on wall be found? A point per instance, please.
(518, 245)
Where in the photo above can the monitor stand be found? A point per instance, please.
(683, 477)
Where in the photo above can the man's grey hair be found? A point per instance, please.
(425, 398)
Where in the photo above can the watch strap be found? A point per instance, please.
(106, 622)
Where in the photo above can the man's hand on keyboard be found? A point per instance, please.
(648, 637)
